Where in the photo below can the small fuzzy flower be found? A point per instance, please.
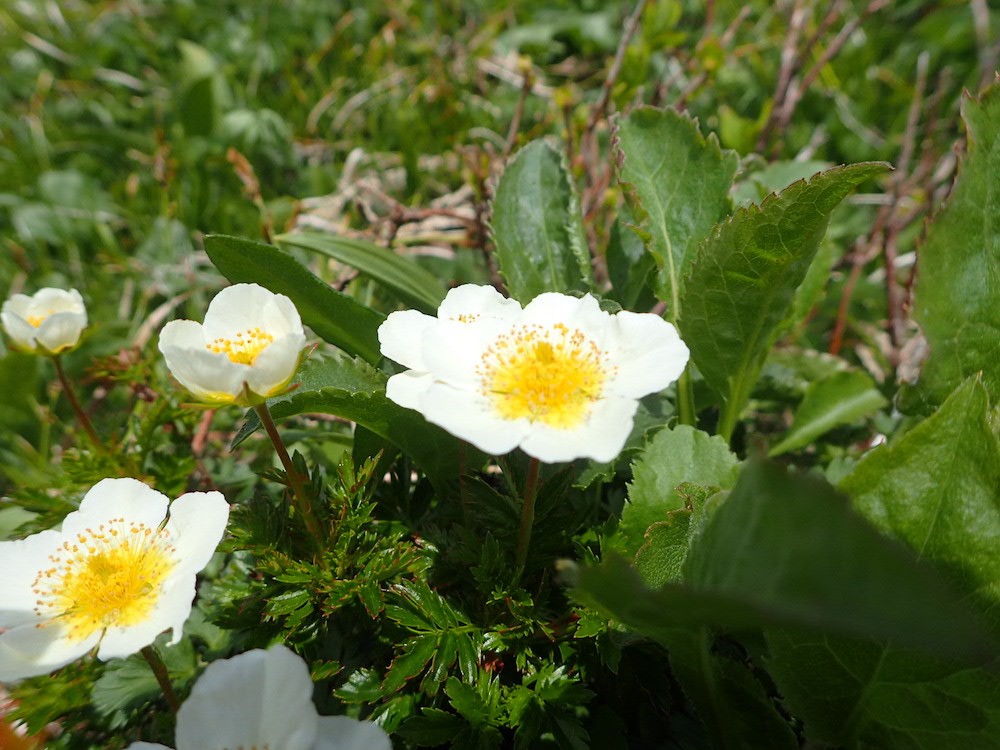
(118, 573)
(263, 699)
(559, 378)
(246, 351)
(49, 322)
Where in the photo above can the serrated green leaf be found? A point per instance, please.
(743, 277)
(537, 227)
(362, 686)
(673, 456)
(414, 285)
(334, 384)
(838, 399)
(936, 489)
(467, 701)
(787, 551)
(287, 602)
(420, 596)
(957, 298)
(630, 267)
(677, 185)
(335, 317)
(666, 544)
(416, 655)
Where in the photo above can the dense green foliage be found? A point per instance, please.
(363, 158)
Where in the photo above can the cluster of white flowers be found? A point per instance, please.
(559, 378)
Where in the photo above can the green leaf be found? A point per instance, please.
(432, 728)
(537, 226)
(957, 299)
(788, 551)
(202, 90)
(467, 701)
(335, 317)
(838, 399)
(661, 558)
(416, 655)
(676, 183)
(937, 489)
(743, 278)
(630, 267)
(414, 285)
(673, 456)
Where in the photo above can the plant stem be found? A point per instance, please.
(77, 409)
(160, 672)
(527, 514)
(302, 500)
(686, 411)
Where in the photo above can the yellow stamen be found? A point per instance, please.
(108, 577)
(37, 320)
(245, 348)
(550, 375)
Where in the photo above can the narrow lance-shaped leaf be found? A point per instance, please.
(937, 489)
(744, 275)
(414, 285)
(837, 399)
(537, 226)
(677, 185)
(334, 316)
(957, 299)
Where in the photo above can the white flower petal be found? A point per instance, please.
(29, 650)
(237, 308)
(208, 375)
(170, 612)
(61, 331)
(281, 318)
(584, 312)
(50, 300)
(471, 300)
(601, 438)
(21, 560)
(197, 523)
(254, 699)
(344, 733)
(400, 337)
(649, 353)
(453, 351)
(182, 334)
(124, 498)
(276, 365)
(408, 388)
(469, 416)
(147, 746)
(18, 305)
(20, 331)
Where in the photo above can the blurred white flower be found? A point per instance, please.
(560, 378)
(48, 322)
(246, 351)
(118, 574)
(263, 699)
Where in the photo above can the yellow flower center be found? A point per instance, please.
(37, 320)
(108, 577)
(550, 375)
(245, 348)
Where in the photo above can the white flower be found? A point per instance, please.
(559, 378)
(246, 351)
(263, 699)
(48, 322)
(116, 576)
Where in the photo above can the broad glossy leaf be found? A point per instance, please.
(673, 456)
(414, 285)
(335, 384)
(537, 226)
(937, 489)
(335, 317)
(677, 185)
(837, 399)
(957, 299)
(788, 551)
(744, 275)
(666, 543)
